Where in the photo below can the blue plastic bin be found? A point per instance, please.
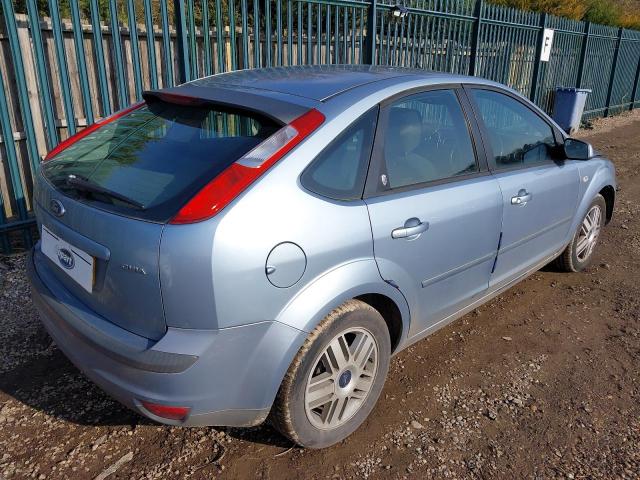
(568, 106)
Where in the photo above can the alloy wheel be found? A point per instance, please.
(341, 379)
(589, 232)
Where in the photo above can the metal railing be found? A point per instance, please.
(60, 70)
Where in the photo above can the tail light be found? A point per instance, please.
(223, 189)
(91, 128)
(166, 411)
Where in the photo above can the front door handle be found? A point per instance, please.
(411, 229)
(521, 198)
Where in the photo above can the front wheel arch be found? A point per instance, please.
(609, 195)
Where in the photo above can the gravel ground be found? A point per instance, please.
(542, 382)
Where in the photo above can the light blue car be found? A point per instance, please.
(256, 245)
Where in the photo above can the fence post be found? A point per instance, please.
(21, 83)
(614, 67)
(583, 55)
(14, 173)
(134, 48)
(81, 61)
(634, 90)
(151, 43)
(370, 51)
(6, 128)
(103, 86)
(475, 43)
(192, 40)
(43, 79)
(63, 68)
(116, 40)
(536, 66)
(184, 69)
(169, 79)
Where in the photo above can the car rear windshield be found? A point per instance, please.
(150, 162)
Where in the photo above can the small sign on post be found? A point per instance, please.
(547, 42)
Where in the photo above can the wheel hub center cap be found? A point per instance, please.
(344, 379)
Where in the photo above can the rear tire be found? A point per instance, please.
(335, 379)
(579, 253)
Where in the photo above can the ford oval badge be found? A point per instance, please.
(56, 207)
(65, 257)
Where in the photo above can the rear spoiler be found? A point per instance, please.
(271, 104)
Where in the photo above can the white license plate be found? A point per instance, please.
(76, 263)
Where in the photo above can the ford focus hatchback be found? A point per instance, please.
(256, 245)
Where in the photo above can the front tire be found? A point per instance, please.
(335, 379)
(579, 253)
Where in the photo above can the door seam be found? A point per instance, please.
(495, 260)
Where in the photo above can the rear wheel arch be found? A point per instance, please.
(390, 312)
(359, 280)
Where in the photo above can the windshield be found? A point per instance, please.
(150, 162)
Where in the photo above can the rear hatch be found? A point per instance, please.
(104, 199)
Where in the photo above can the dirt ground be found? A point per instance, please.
(542, 382)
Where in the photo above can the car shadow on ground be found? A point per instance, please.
(51, 384)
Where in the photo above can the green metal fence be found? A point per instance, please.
(58, 74)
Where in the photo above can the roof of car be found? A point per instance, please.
(316, 82)
(284, 93)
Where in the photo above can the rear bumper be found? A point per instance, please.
(226, 377)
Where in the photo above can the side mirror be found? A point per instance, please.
(577, 149)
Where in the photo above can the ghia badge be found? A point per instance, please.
(56, 207)
(133, 269)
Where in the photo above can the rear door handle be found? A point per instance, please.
(521, 198)
(411, 229)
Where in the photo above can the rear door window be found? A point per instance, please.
(150, 162)
(426, 139)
